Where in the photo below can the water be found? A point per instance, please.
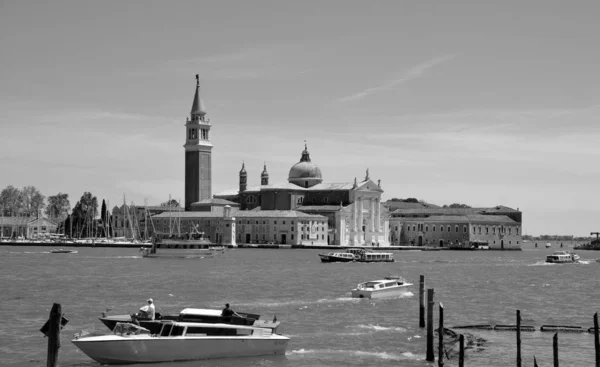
(311, 299)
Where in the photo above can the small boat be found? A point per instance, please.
(388, 287)
(181, 341)
(210, 316)
(61, 251)
(563, 257)
(548, 245)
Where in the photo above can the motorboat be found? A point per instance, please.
(202, 315)
(562, 257)
(391, 286)
(62, 251)
(181, 341)
(185, 253)
(331, 257)
(357, 255)
(548, 245)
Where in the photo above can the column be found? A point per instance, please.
(360, 220)
(377, 214)
(372, 213)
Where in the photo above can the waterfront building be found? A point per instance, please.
(499, 226)
(27, 227)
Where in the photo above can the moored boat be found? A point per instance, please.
(357, 255)
(562, 257)
(181, 341)
(388, 287)
(202, 315)
(331, 257)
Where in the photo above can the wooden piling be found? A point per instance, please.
(555, 349)
(441, 337)
(422, 302)
(518, 338)
(535, 362)
(461, 351)
(54, 335)
(429, 356)
(596, 340)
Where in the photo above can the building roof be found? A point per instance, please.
(241, 214)
(305, 169)
(404, 205)
(15, 221)
(215, 201)
(452, 211)
(197, 105)
(467, 218)
(320, 208)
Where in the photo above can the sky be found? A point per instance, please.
(477, 102)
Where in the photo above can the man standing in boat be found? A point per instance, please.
(228, 313)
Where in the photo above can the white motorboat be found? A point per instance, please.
(388, 287)
(181, 341)
(562, 257)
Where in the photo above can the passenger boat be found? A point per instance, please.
(181, 341)
(562, 257)
(189, 245)
(61, 251)
(331, 257)
(202, 315)
(388, 287)
(357, 255)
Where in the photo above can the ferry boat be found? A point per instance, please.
(181, 341)
(188, 245)
(388, 287)
(562, 257)
(210, 316)
(357, 255)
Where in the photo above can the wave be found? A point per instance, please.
(356, 353)
(304, 303)
(379, 328)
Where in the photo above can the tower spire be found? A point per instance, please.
(197, 105)
(264, 176)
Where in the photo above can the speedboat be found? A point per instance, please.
(202, 315)
(388, 287)
(61, 251)
(548, 245)
(562, 257)
(181, 341)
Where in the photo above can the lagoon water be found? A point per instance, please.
(311, 299)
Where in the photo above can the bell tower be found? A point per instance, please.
(198, 150)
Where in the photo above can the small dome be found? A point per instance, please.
(305, 173)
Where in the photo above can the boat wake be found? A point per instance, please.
(380, 328)
(580, 262)
(356, 353)
(304, 303)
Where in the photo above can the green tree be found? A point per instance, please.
(456, 205)
(33, 201)
(58, 207)
(171, 203)
(11, 201)
(84, 213)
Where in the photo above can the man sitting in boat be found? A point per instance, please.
(148, 311)
(228, 313)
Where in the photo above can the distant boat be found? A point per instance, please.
(548, 245)
(61, 251)
(563, 257)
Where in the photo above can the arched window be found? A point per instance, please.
(325, 200)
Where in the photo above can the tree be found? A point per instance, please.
(11, 201)
(456, 205)
(411, 200)
(104, 217)
(171, 203)
(58, 207)
(84, 213)
(33, 201)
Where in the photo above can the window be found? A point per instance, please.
(292, 229)
(487, 230)
(414, 228)
(456, 229)
(284, 222)
(449, 229)
(426, 228)
(292, 236)
(510, 231)
(464, 229)
(325, 200)
(322, 236)
(479, 229)
(441, 228)
(396, 228)
(433, 229)
(473, 230)
(274, 222)
(517, 232)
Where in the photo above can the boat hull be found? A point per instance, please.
(147, 349)
(334, 259)
(182, 253)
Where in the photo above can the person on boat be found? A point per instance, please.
(148, 311)
(228, 313)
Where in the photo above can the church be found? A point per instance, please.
(302, 211)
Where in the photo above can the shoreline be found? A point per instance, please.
(245, 246)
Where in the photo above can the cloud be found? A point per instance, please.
(407, 75)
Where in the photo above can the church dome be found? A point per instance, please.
(305, 173)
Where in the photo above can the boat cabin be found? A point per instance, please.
(192, 329)
(378, 256)
(341, 255)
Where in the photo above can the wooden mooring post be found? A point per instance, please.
(54, 335)
(422, 302)
(555, 349)
(596, 340)
(429, 355)
(535, 362)
(461, 351)
(518, 338)
(441, 337)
